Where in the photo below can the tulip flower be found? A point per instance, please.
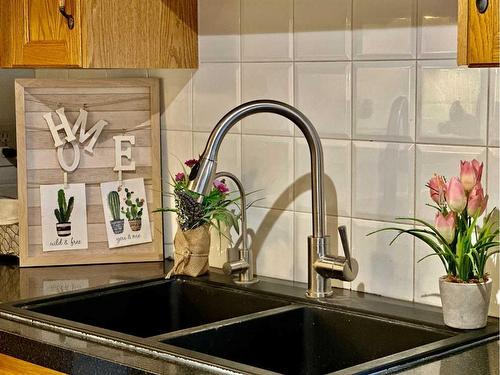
(180, 177)
(477, 201)
(437, 189)
(478, 168)
(468, 176)
(455, 195)
(446, 226)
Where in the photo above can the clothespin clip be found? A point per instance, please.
(65, 174)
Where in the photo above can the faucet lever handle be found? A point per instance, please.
(345, 244)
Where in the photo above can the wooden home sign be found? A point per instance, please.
(89, 171)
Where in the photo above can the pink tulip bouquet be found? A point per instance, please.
(462, 245)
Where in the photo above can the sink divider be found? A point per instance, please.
(224, 323)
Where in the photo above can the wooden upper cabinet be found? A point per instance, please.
(478, 33)
(106, 34)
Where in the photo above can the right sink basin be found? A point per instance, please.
(306, 340)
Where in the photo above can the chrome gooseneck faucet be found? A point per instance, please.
(322, 266)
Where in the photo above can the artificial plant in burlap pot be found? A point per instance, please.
(195, 215)
(462, 243)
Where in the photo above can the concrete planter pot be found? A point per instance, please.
(465, 305)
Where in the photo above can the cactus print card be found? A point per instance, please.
(126, 212)
(64, 217)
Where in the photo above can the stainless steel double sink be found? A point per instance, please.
(237, 330)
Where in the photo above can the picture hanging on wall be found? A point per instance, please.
(64, 217)
(126, 212)
(87, 133)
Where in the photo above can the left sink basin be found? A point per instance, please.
(153, 308)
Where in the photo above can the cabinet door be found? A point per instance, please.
(42, 36)
(483, 34)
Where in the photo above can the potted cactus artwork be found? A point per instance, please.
(114, 208)
(134, 210)
(63, 213)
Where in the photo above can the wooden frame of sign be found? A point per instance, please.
(130, 106)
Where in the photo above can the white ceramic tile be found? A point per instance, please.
(323, 93)
(216, 90)
(437, 29)
(443, 160)
(427, 273)
(176, 98)
(322, 30)
(303, 229)
(51, 73)
(385, 30)
(219, 30)
(267, 30)
(451, 103)
(383, 269)
(127, 73)
(493, 186)
(337, 156)
(383, 180)
(267, 165)
(271, 233)
(267, 81)
(494, 108)
(176, 148)
(87, 73)
(229, 158)
(384, 100)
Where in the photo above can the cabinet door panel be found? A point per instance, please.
(44, 38)
(483, 34)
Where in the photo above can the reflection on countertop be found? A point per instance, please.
(20, 283)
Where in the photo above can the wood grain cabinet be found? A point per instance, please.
(478, 33)
(106, 34)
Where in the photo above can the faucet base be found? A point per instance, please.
(249, 282)
(312, 294)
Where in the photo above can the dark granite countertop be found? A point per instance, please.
(77, 356)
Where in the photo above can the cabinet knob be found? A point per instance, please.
(482, 5)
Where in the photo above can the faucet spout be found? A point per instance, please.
(203, 174)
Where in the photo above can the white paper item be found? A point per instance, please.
(68, 234)
(122, 230)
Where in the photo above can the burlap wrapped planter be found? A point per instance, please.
(191, 250)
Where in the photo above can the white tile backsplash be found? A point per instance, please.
(383, 180)
(219, 30)
(266, 30)
(385, 30)
(322, 31)
(384, 105)
(267, 168)
(413, 113)
(216, 90)
(337, 156)
(267, 81)
(388, 269)
(494, 108)
(437, 31)
(323, 93)
(452, 103)
(272, 242)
